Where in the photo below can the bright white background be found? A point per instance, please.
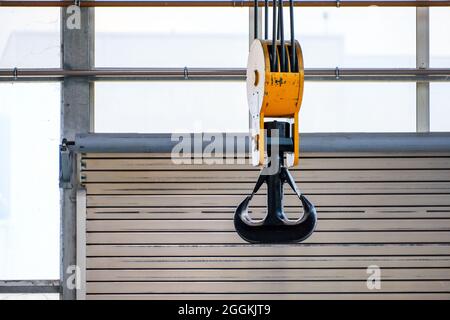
(178, 37)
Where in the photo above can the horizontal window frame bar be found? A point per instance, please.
(229, 3)
(310, 142)
(29, 286)
(223, 74)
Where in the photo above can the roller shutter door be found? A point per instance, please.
(156, 230)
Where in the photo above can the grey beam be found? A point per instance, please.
(309, 142)
(77, 96)
(422, 62)
(223, 3)
(29, 286)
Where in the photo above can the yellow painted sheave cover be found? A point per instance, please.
(273, 94)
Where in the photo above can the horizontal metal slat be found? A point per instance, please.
(164, 156)
(232, 238)
(228, 225)
(278, 296)
(162, 188)
(261, 201)
(251, 176)
(246, 262)
(265, 275)
(304, 164)
(209, 213)
(244, 249)
(266, 286)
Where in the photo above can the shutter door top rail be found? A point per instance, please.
(310, 142)
(230, 3)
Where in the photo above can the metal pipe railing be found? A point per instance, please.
(229, 3)
(125, 72)
(211, 74)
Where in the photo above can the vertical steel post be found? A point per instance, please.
(77, 96)
(422, 62)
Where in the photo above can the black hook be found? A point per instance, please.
(276, 227)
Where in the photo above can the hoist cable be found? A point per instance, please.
(255, 18)
(274, 37)
(293, 49)
(278, 27)
(283, 48)
(266, 19)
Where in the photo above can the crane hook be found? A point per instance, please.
(275, 79)
(276, 227)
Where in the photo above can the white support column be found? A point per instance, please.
(422, 62)
(77, 96)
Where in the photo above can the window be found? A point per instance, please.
(440, 37)
(29, 192)
(358, 107)
(171, 37)
(30, 38)
(356, 37)
(440, 106)
(157, 107)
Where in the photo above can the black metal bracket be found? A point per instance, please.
(65, 164)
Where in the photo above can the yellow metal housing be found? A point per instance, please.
(273, 94)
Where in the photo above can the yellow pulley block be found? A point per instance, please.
(273, 94)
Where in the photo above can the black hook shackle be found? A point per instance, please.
(276, 227)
